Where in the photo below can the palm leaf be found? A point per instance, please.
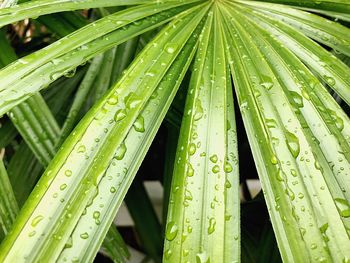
(75, 186)
(287, 60)
(204, 190)
(293, 163)
(8, 205)
(44, 66)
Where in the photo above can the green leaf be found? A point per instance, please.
(341, 6)
(37, 8)
(37, 126)
(323, 30)
(35, 71)
(327, 66)
(24, 170)
(80, 97)
(289, 118)
(7, 133)
(204, 203)
(8, 205)
(114, 245)
(113, 188)
(33, 119)
(70, 181)
(145, 219)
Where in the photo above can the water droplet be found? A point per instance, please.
(132, 100)
(168, 253)
(171, 231)
(214, 158)
(293, 144)
(119, 115)
(121, 151)
(171, 48)
(305, 94)
(84, 235)
(68, 173)
(212, 224)
(81, 149)
(139, 124)
(298, 100)
(96, 215)
(70, 73)
(216, 169)
(63, 186)
(150, 74)
(343, 207)
(274, 159)
(188, 195)
(36, 220)
(199, 111)
(113, 100)
(69, 243)
(112, 189)
(267, 85)
(330, 81)
(202, 258)
(280, 175)
(191, 148)
(31, 234)
(228, 167)
(337, 120)
(324, 228)
(190, 171)
(270, 123)
(266, 82)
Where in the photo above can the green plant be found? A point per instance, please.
(285, 61)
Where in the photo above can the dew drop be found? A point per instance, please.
(68, 173)
(298, 100)
(119, 115)
(330, 81)
(63, 186)
(267, 85)
(274, 159)
(84, 235)
(31, 234)
(202, 258)
(216, 169)
(199, 111)
(212, 224)
(343, 207)
(170, 48)
(313, 246)
(171, 231)
(113, 100)
(214, 158)
(36, 220)
(121, 151)
(228, 167)
(191, 148)
(190, 171)
(293, 144)
(168, 253)
(139, 124)
(81, 149)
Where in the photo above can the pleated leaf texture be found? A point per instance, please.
(81, 110)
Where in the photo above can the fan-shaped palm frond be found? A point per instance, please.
(189, 62)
